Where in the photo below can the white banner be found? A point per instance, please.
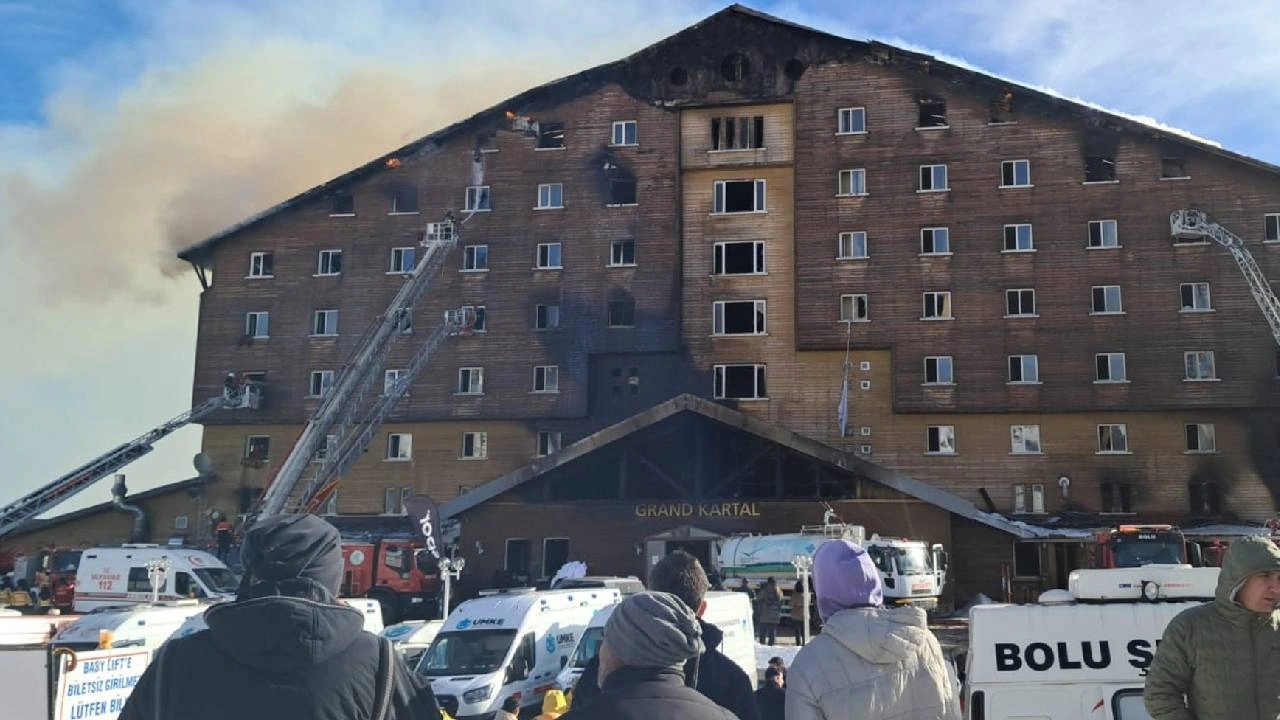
(99, 683)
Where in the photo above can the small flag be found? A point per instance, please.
(842, 410)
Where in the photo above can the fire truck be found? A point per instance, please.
(1131, 546)
(393, 572)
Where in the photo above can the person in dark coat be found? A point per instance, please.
(647, 641)
(718, 677)
(772, 698)
(286, 648)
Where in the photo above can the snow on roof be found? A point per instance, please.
(1040, 532)
(1226, 530)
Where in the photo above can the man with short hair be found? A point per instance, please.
(1222, 659)
(772, 698)
(717, 677)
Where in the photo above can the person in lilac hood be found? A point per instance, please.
(869, 662)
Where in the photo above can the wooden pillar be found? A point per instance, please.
(699, 447)
(779, 486)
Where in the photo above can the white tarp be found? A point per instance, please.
(97, 687)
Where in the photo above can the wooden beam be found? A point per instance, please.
(662, 474)
(755, 457)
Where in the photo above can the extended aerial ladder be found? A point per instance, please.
(1190, 224)
(345, 422)
(64, 488)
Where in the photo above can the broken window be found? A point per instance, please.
(745, 317)
(1202, 438)
(261, 265)
(622, 191)
(326, 323)
(1024, 369)
(622, 313)
(853, 182)
(1173, 168)
(549, 442)
(550, 195)
(933, 113)
(344, 203)
(854, 308)
(1002, 109)
(852, 246)
(1205, 497)
(1018, 238)
(389, 380)
(737, 133)
(546, 379)
(1099, 168)
(475, 445)
(734, 67)
(1195, 297)
(477, 198)
(404, 199)
(739, 196)
(321, 383)
(550, 135)
(935, 241)
(1103, 234)
(478, 316)
(1113, 439)
(852, 121)
(404, 323)
(471, 381)
(738, 258)
(1117, 497)
(475, 258)
(933, 178)
(1026, 559)
(940, 440)
(402, 259)
(257, 447)
(399, 447)
(549, 256)
(624, 133)
(329, 262)
(622, 252)
(546, 317)
(256, 324)
(739, 382)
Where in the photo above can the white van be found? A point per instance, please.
(728, 611)
(411, 638)
(128, 625)
(503, 645)
(113, 576)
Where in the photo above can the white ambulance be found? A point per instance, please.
(113, 576)
(513, 643)
(730, 612)
(1071, 657)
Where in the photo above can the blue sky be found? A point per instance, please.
(131, 127)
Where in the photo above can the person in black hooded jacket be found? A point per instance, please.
(286, 648)
(717, 677)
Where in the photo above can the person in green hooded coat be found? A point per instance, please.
(1221, 660)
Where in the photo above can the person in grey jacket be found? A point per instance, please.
(869, 662)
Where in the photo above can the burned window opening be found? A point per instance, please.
(1117, 497)
(1205, 497)
(550, 135)
(622, 191)
(622, 313)
(735, 67)
(1002, 108)
(933, 113)
(678, 76)
(738, 196)
(740, 382)
(404, 199)
(737, 133)
(794, 68)
(1173, 167)
(1099, 168)
(344, 203)
(739, 258)
(746, 317)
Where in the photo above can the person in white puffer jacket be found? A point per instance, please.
(869, 662)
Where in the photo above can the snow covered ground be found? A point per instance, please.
(764, 652)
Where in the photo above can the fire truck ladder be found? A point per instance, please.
(344, 414)
(1192, 224)
(80, 479)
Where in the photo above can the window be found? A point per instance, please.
(1111, 367)
(1099, 168)
(555, 553)
(471, 381)
(937, 306)
(326, 449)
(550, 136)
(440, 231)
(548, 442)
(852, 246)
(935, 241)
(1020, 303)
(1032, 493)
(546, 317)
(330, 263)
(1024, 368)
(739, 258)
(403, 259)
(933, 178)
(1195, 297)
(1271, 228)
(139, 581)
(477, 199)
(739, 196)
(257, 447)
(1113, 439)
(1103, 234)
(516, 562)
(546, 379)
(550, 196)
(326, 323)
(746, 317)
(1015, 173)
(622, 253)
(622, 313)
(1024, 439)
(548, 256)
(1173, 168)
(391, 504)
(1200, 365)
(852, 120)
(479, 315)
(255, 324)
(1205, 497)
(1106, 299)
(938, 370)
(475, 445)
(933, 113)
(1026, 559)
(853, 308)
(404, 323)
(1116, 497)
(344, 204)
(622, 191)
(1201, 438)
(624, 133)
(737, 133)
(475, 258)
(853, 182)
(261, 265)
(739, 382)
(399, 446)
(321, 383)
(1018, 238)
(941, 439)
(404, 200)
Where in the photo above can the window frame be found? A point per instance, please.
(1102, 225)
(407, 251)
(852, 299)
(248, 447)
(390, 376)
(945, 296)
(852, 236)
(553, 444)
(1012, 165)
(1199, 356)
(474, 384)
(395, 201)
(330, 254)
(551, 310)
(264, 259)
(719, 200)
(479, 445)
(1093, 300)
(328, 331)
(1009, 294)
(754, 124)
(1105, 160)
(1124, 365)
(470, 255)
(759, 259)
(404, 448)
(937, 370)
(851, 173)
(542, 256)
(1032, 491)
(1017, 240)
(325, 387)
(848, 113)
(1270, 221)
(1025, 429)
(933, 241)
(481, 315)
(254, 322)
(1022, 369)
(546, 194)
(1212, 436)
(943, 125)
(478, 198)
(1111, 436)
(1193, 286)
(931, 172)
(618, 259)
(934, 436)
(720, 377)
(623, 124)
(759, 313)
(442, 231)
(333, 206)
(549, 375)
(628, 306)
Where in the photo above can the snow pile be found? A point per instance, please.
(570, 571)
(979, 599)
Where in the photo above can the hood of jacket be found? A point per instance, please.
(879, 635)
(278, 634)
(1247, 556)
(711, 635)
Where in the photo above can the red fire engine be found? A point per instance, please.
(390, 571)
(1130, 546)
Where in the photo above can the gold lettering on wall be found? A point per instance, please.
(684, 509)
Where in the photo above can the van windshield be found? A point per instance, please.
(588, 647)
(473, 652)
(1147, 549)
(219, 580)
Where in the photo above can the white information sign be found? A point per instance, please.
(97, 687)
